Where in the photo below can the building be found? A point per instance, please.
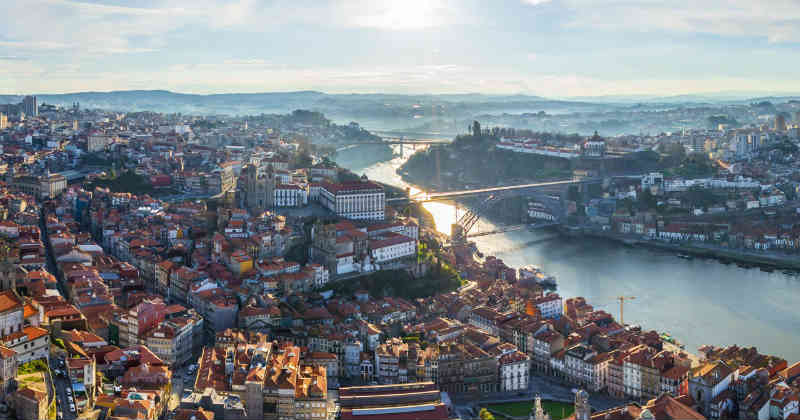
(175, 341)
(594, 146)
(29, 342)
(3, 121)
(707, 382)
(97, 142)
(653, 179)
(30, 403)
(228, 177)
(514, 372)
(417, 400)
(52, 185)
(8, 368)
(780, 123)
(290, 195)
(362, 200)
(392, 246)
(29, 106)
(664, 407)
(258, 188)
(550, 305)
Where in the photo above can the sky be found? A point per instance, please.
(552, 48)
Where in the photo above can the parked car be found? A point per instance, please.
(72, 407)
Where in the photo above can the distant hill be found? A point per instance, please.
(357, 106)
(370, 104)
(697, 98)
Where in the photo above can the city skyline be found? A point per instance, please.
(551, 48)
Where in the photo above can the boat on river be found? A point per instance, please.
(685, 256)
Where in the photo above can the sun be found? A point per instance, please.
(404, 15)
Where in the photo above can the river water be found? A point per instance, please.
(696, 301)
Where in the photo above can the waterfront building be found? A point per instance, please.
(709, 381)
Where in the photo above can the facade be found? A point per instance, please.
(514, 372)
(227, 180)
(392, 247)
(29, 342)
(30, 403)
(706, 383)
(52, 185)
(96, 142)
(545, 343)
(258, 188)
(550, 305)
(363, 200)
(290, 195)
(8, 368)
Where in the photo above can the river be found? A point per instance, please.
(697, 301)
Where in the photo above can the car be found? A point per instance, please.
(68, 391)
(72, 407)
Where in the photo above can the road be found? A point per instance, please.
(61, 384)
(180, 382)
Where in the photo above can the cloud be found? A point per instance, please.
(402, 15)
(774, 20)
(535, 2)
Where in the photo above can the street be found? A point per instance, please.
(61, 383)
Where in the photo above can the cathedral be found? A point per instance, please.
(258, 188)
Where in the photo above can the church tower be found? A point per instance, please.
(538, 413)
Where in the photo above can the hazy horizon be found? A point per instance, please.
(548, 48)
(719, 95)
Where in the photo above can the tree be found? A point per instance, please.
(484, 414)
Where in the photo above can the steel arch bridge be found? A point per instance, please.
(461, 229)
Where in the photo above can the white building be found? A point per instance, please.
(290, 195)
(392, 246)
(514, 371)
(363, 200)
(550, 305)
(652, 179)
(352, 358)
(344, 263)
(29, 342)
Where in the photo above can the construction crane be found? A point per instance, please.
(622, 300)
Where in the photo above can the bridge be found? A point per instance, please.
(402, 141)
(521, 189)
(547, 194)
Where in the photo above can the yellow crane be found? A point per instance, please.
(622, 300)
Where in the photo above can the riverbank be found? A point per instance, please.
(701, 299)
(745, 259)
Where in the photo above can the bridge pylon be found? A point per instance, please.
(457, 234)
